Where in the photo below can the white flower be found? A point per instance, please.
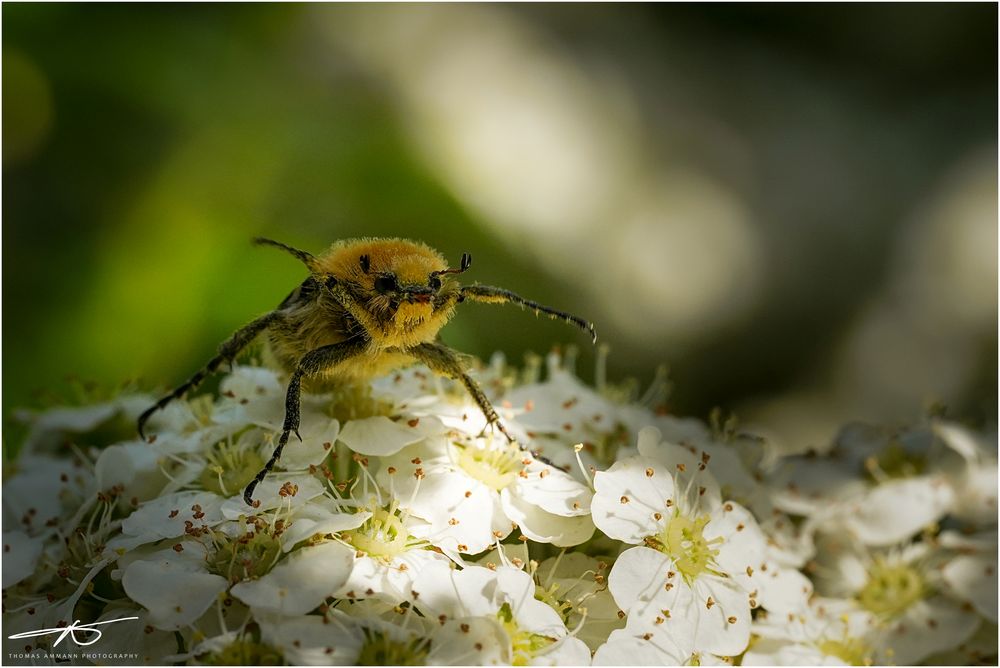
(886, 485)
(902, 588)
(533, 633)
(564, 411)
(704, 563)
(830, 633)
(388, 555)
(357, 550)
(456, 486)
(386, 545)
(418, 393)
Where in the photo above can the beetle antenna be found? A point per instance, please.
(306, 258)
(465, 264)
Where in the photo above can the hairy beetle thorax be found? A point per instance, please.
(393, 287)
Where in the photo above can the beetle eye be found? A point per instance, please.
(331, 282)
(386, 284)
(435, 283)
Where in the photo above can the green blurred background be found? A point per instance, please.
(794, 207)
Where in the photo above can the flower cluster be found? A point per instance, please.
(402, 531)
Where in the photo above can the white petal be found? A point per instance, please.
(442, 590)
(929, 626)
(567, 652)
(164, 517)
(150, 645)
(35, 495)
(974, 579)
(174, 587)
(544, 527)
(20, 556)
(392, 580)
(48, 427)
(781, 589)
(518, 589)
(268, 493)
(553, 490)
(687, 463)
(771, 652)
(976, 494)
(300, 581)
(320, 518)
(454, 503)
(744, 543)
(251, 395)
(897, 509)
(723, 628)
(637, 575)
(807, 485)
(379, 435)
(624, 648)
(133, 465)
(745, 557)
(246, 382)
(961, 440)
(308, 641)
(318, 437)
(638, 581)
(982, 541)
(626, 498)
(686, 431)
(465, 641)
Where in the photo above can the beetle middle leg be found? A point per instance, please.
(442, 359)
(313, 362)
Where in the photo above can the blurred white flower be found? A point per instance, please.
(831, 632)
(914, 608)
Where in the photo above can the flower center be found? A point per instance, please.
(230, 468)
(494, 467)
(354, 401)
(525, 644)
(895, 462)
(552, 597)
(891, 589)
(851, 651)
(381, 536)
(245, 652)
(682, 538)
(245, 557)
(381, 650)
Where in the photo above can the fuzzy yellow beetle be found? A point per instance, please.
(369, 306)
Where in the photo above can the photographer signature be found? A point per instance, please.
(70, 631)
